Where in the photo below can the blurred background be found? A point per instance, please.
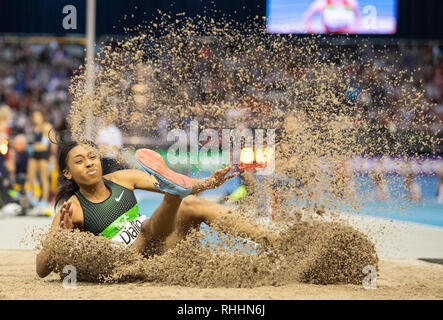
(38, 57)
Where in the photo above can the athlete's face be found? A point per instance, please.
(84, 165)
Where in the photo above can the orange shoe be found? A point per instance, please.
(168, 180)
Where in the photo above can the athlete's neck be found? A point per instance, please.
(96, 192)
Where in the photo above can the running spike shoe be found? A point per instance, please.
(168, 180)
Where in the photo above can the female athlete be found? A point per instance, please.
(106, 205)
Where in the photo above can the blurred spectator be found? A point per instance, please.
(19, 160)
(18, 167)
(40, 153)
(5, 117)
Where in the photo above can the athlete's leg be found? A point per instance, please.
(193, 211)
(31, 173)
(44, 178)
(175, 218)
(161, 224)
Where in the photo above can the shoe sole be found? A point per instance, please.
(153, 163)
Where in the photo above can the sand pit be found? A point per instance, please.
(398, 279)
(405, 271)
(320, 253)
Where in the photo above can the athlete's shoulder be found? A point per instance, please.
(124, 177)
(74, 200)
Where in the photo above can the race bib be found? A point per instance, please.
(129, 232)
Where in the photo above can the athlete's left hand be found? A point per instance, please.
(66, 216)
(219, 177)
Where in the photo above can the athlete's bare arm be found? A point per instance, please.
(217, 178)
(133, 179)
(70, 216)
(137, 179)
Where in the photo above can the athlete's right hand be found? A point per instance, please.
(66, 216)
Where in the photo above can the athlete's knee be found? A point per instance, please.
(189, 202)
(146, 228)
(189, 208)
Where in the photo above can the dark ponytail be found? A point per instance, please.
(65, 187)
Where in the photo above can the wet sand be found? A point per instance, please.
(397, 279)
